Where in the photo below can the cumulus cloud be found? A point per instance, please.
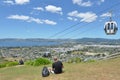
(25, 18)
(18, 17)
(50, 22)
(9, 2)
(18, 2)
(22, 1)
(38, 8)
(100, 2)
(54, 9)
(72, 19)
(84, 17)
(82, 3)
(106, 14)
(31, 19)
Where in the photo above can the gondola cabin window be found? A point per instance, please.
(110, 27)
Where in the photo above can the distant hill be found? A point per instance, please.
(98, 41)
(12, 42)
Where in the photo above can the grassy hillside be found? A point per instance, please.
(100, 70)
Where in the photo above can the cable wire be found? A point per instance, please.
(80, 23)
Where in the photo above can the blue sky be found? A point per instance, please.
(51, 18)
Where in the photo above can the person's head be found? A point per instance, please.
(55, 58)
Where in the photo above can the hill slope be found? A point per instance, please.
(100, 70)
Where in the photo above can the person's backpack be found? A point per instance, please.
(45, 72)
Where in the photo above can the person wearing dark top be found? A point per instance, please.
(21, 62)
(57, 66)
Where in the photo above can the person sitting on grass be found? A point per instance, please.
(21, 62)
(57, 66)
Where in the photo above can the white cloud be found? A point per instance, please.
(54, 9)
(17, 2)
(50, 22)
(38, 8)
(9, 2)
(81, 3)
(72, 19)
(86, 4)
(102, 0)
(31, 19)
(106, 14)
(73, 13)
(84, 17)
(24, 18)
(19, 17)
(20, 2)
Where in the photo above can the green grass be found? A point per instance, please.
(98, 70)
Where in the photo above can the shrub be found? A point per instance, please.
(41, 61)
(2, 65)
(8, 64)
(38, 62)
(75, 60)
(29, 62)
(70, 61)
(91, 60)
(11, 64)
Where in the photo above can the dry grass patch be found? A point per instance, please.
(100, 70)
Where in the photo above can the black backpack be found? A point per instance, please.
(45, 72)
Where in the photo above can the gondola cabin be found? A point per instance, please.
(110, 27)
